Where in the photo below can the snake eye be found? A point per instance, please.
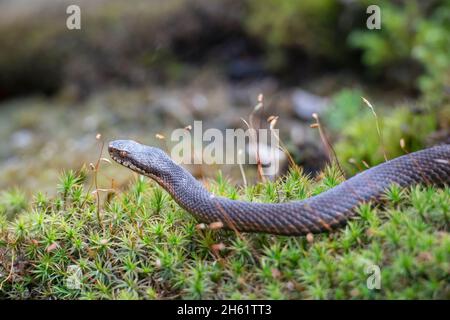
(123, 154)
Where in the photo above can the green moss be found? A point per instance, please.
(147, 247)
(12, 202)
(361, 142)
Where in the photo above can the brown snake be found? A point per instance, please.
(324, 212)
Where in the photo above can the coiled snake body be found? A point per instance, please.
(324, 212)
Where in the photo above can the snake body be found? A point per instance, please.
(324, 212)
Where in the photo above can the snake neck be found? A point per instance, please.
(188, 192)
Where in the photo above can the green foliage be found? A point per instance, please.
(350, 118)
(413, 37)
(345, 106)
(149, 248)
(361, 142)
(309, 25)
(394, 41)
(432, 50)
(416, 31)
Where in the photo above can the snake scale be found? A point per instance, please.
(324, 212)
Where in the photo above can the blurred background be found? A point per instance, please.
(140, 68)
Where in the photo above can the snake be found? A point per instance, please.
(324, 212)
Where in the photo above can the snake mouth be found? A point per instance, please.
(123, 157)
(128, 164)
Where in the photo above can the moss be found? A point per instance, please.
(361, 143)
(147, 247)
(12, 202)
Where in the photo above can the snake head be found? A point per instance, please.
(140, 158)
